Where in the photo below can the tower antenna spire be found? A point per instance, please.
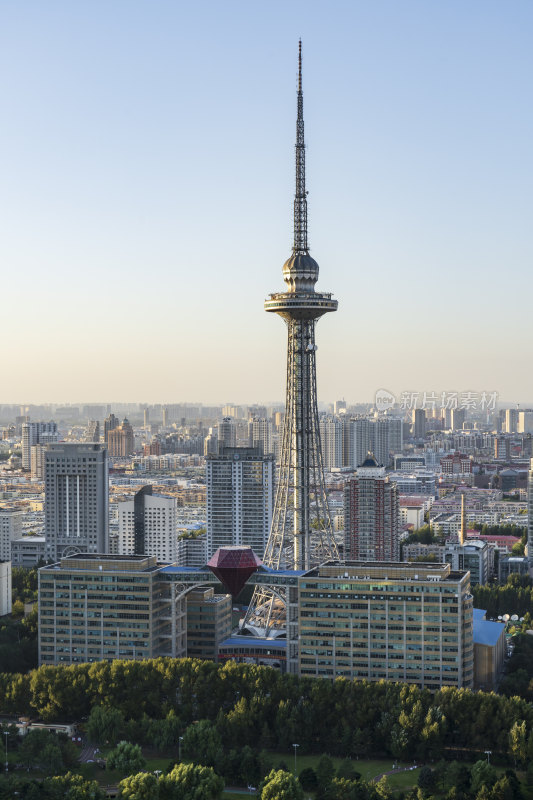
(300, 198)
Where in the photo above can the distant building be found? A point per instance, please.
(36, 433)
(28, 551)
(10, 529)
(331, 441)
(37, 461)
(120, 440)
(192, 551)
(409, 462)
(426, 552)
(419, 423)
(525, 421)
(110, 423)
(227, 432)
(5, 588)
(475, 555)
(147, 526)
(76, 500)
(208, 622)
(509, 565)
(511, 420)
(239, 498)
(260, 435)
(456, 464)
(458, 417)
(371, 514)
(530, 513)
(93, 431)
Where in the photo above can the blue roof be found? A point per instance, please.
(479, 614)
(289, 572)
(244, 641)
(174, 568)
(486, 632)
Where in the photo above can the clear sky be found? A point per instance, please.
(146, 196)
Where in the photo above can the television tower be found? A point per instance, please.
(301, 534)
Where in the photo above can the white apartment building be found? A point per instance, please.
(10, 529)
(331, 441)
(240, 493)
(147, 526)
(5, 588)
(36, 433)
(192, 552)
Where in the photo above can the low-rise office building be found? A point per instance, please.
(101, 607)
(208, 622)
(387, 621)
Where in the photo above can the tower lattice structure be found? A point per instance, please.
(301, 533)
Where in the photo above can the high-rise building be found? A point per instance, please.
(147, 526)
(76, 500)
(331, 440)
(146, 415)
(511, 420)
(419, 423)
(36, 433)
(371, 515)
(37, 461)
(357, 440)
(120, 441)
(10, 529)
(530, 513)
(227, 432)
(301, 534)
(93, 431)
(260, 434)
(386, 439)
(211, 443)
(239, 498)
(110, 423)
(5, 588)
(458, 418)
(525, 421)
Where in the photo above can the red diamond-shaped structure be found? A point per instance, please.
(233, 566)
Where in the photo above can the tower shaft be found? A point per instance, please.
(301, 534)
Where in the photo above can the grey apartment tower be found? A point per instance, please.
(76, 499)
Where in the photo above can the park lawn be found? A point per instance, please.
(370, 769)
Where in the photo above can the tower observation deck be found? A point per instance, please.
(301, 534)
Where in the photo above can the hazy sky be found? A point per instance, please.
(146, 196)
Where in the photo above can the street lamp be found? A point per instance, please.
(295, 749)
(6, 734)
(488, 753)
(179, 746)
(157, 773)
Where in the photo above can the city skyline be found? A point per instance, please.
(134, 142)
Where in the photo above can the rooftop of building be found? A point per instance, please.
(387, 570)
(103, 562)
(485, 631)
(255, 642)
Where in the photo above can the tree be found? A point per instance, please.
(202, 742)
(142, 786)
(126, 757)
(427, 779)
(482, 774)
(325, 772)
(518, 742)
(308, 779)
(105, 725)
(281, 785)
(71, 787)
(191, 782)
